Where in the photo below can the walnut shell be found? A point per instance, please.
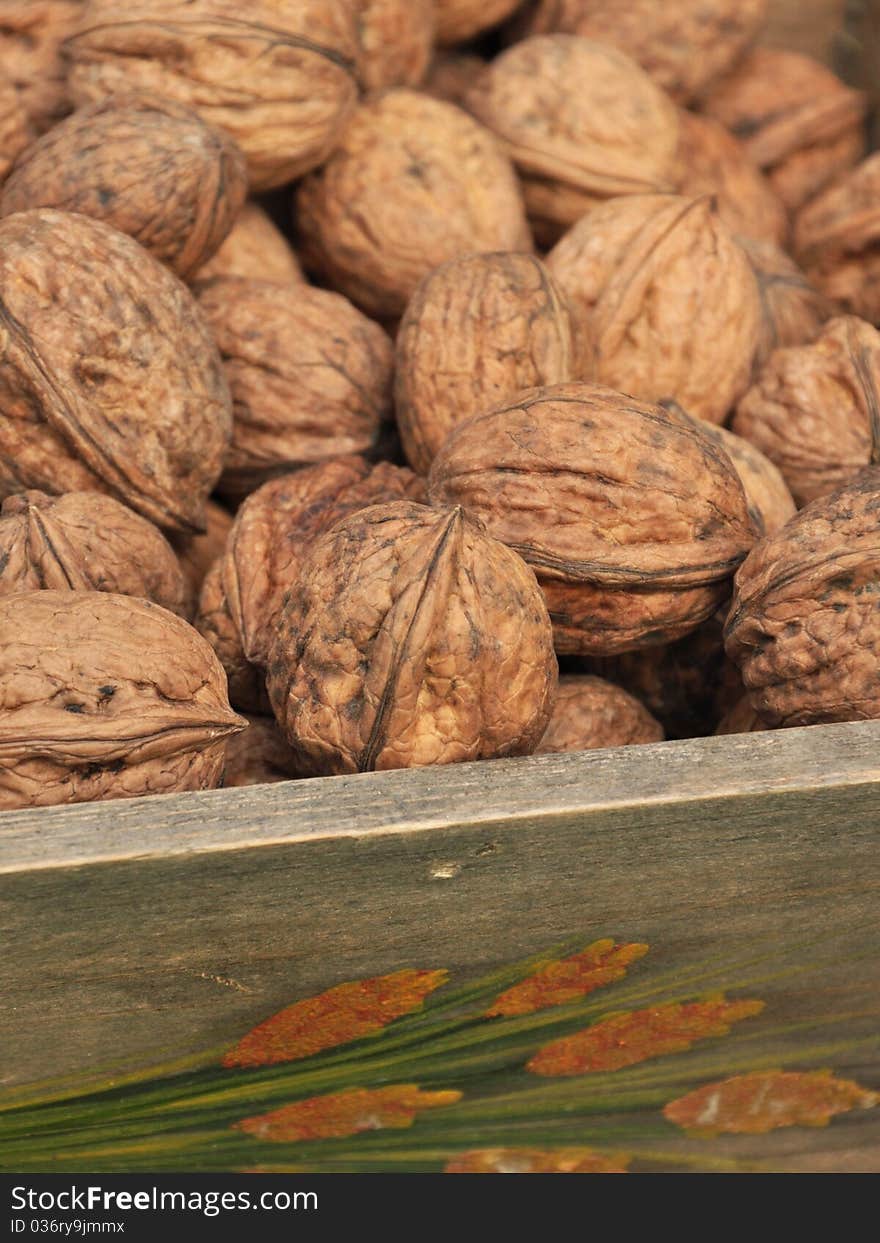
(31, 34)
(414, 182)
(259, 755)
(104, 696)
(197, 553)
(666, 300)
(86, 542)
(460, 20)
(255, 248)
(804, 626)
(279, 77)
(591, 713)
(815, 409)
(741, 719)
(310, 376)
(792, 308)
(649, 516)
(837, 239)
(685, 45)
(109, 378)
(272, 534)
(795, 118)
(477, 330)
(411, 638)
(771, 504)
(397, 39)
(15, 130)
(714, 162)
(149, 168)
(582, 123)
(451, 76)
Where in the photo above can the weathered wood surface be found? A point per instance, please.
(144, 929)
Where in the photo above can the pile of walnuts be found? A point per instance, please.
(366, 364)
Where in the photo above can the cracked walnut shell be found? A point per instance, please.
(804, 625)
(412, 638)
(150, 169)
(109, 378)
(591, 713)
(649, 518)
(281, 78)
(666, 301)
(415, 182)
(477, 330)
(104, 696)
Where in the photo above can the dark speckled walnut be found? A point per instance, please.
(804, 625)
(147, 167)
(591, 713)
(634, 520)
(255, 248)
(103, 696)
(109, 378)
(411, 638)
(397, 38)
(31, 33)
(86, 542)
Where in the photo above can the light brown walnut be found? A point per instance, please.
(591, 713)
(411, 638)
(792, 308)
(460, 20)
(109, 378)
(259, 755)
(451, 76)
(257, 249)
(104, 696)
(31, 35)
(414, 182)
(397, 39)
(197, 553)
(15, 127)
(477, 330)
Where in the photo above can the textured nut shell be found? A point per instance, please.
(451, 76)
(649, 518)
(86, 542)
(279, 77)
(109, 378)
(256, 249)
(741, 719)
(415, 182)
(460, 20)
(197, 553)
(31, 33)
(815, 409)
(714, 162)
(582, 123)
(151, 169)
(683, 44)
(795, 118)
(477, 330)
(411, 638)
(15, 130)
(310, 376)
(591, 713)
(770, 502)
(792, 308)
(103, 696)
(397, 39)
(272, 534)
(666, 298)
(804, 626)
(259, 755)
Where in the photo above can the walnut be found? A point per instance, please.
(257, 249)
(279, 77)
(109, 378)
(649, 519)
(411, 638)
(415, 182)
(451, 76)
(259, 756)
(197, 553)
(714, 162)
(804, 626)
(84, 541)
(151, 169)
(837, 239)
(815, 409)
(273, 531)
(683, 44)
(310, 376)
(792, 308)
(104, 696)
(591, 713)
(15, 130)
(741, 719)
(477, 330)
(397, 39)
(796, 119)
(666, 299)
(31, 33)
(460, 20)
(582, 123)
